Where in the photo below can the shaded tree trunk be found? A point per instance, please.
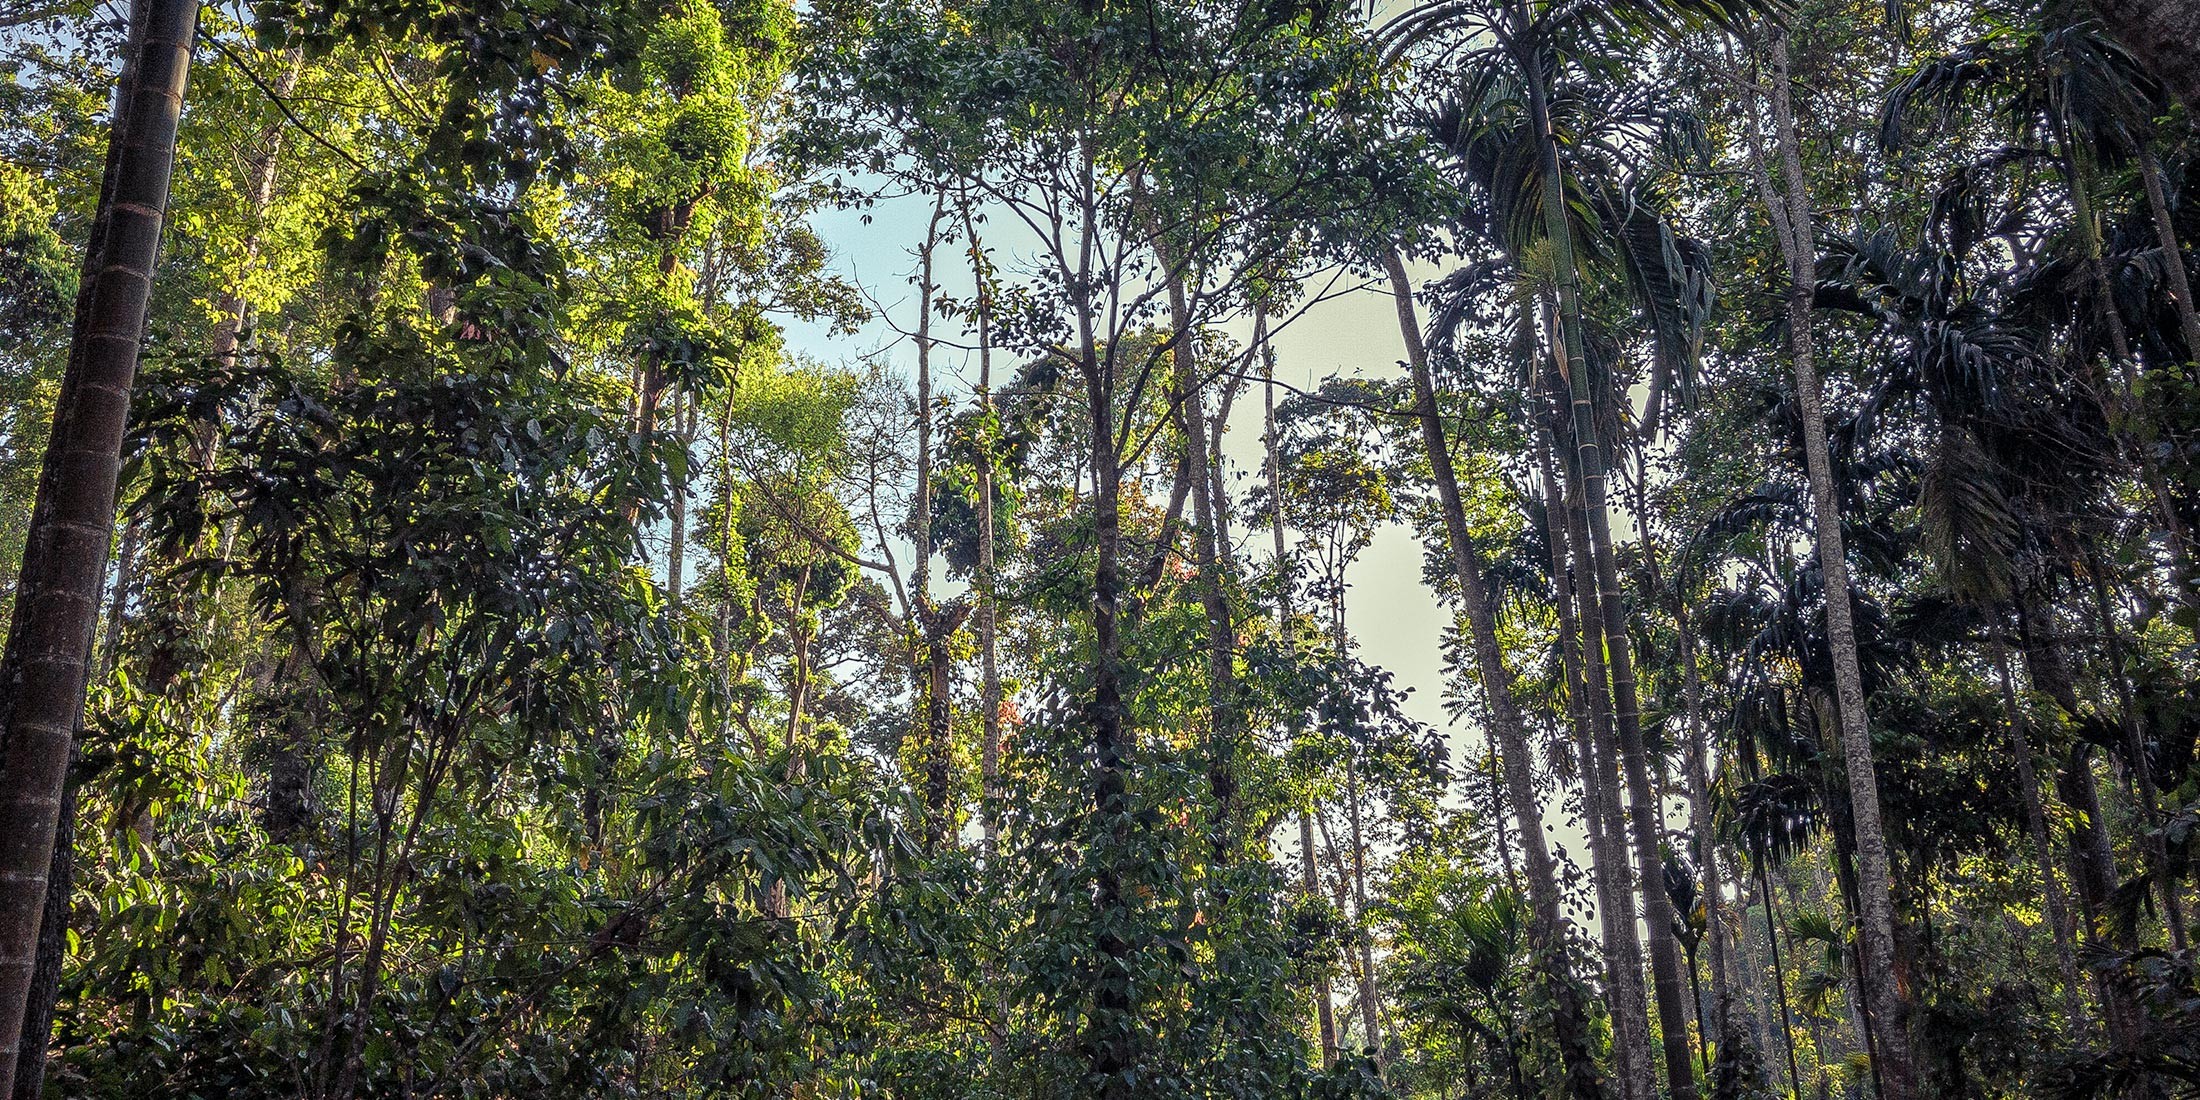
(1206, 517)
(1325, 1012)
(2165, 235)
(48, 655)
(1644, 812)
(1547, 924)
(2043, 845)
(1790, 209)
(988, 609)
(2164, 35)
(1600, 783)
(259, 190)
(1110, 1042)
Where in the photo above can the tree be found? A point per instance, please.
(56, 612)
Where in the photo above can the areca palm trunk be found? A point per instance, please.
(1547, 928)
(1699, 807)
(1599, 780)
(2165, 234)
(48, 655)
(1789, 204)
(1643, 820)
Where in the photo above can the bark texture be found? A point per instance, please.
(1546, 923)
(2164, 35)
(57, 605)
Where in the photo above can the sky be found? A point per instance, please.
(1396, 622)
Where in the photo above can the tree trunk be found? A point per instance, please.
(2173, 257)
(1547, 927)
(1699, 806)
(48, 655)
(989, 674)
(2043, 845)
(2164, 35)
(1779, 979)
(932, 622)
(683, 425)
(1600, 784)
(1221, 629)
(1791, 211)
(2138, 764)
(1325, 1012)
(259, 189)
(1370, 1007)
(1644, 819)
(1110, 1043)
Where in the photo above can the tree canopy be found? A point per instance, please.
(870, 549)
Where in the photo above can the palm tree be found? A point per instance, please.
(1533, 199)
(48, 655)
(1788, 205)
(1507, 727)
(2164, 35)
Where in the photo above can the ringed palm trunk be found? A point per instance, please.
(1644, 817)
(1699, 806)
(1600, 785)
(2165, 235)
(1547, 928)
(48, 655)
(1883, 1001)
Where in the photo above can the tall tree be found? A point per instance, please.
(1787, 201)
(56, 614)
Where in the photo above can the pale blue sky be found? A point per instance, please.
(1395, 620)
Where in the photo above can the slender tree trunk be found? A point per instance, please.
(1370, 1007)
(1699, 806)
(2139, 763)
(57, 603)
(1309, 878)
(683, 421)
(1110, 1042)
(1779, 977)
(1791, 211)
(1221, 629)
(2043, 845)
(989, 674)
(259, 190)
(933, 621)
(1644, 818)
(2173, 257)
(2092, 851)
(1547, 927)
(1600, 783)
(2121, 394)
